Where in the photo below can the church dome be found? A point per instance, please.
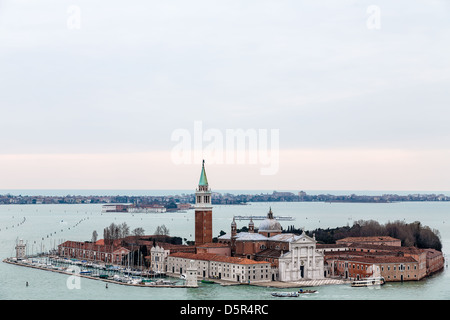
(269, 224)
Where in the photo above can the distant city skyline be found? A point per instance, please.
(92, 93)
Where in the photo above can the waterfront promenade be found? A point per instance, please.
(280, 284)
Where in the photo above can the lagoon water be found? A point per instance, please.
(45, 226)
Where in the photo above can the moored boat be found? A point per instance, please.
(162, 282)
(372, 281)
(85, 271)
(207, 281)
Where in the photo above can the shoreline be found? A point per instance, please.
(94, 278)
(270, 284)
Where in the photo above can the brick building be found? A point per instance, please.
(92, 251)
(392, 268)
(435, 261)
(356, 258)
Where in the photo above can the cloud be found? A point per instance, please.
(135, 72)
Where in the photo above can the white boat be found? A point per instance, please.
(183, 277)
(285, 294)
(162, 282)
(372, 281)
(85, 271)
(117, 278)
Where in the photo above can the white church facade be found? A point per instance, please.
(302, 261)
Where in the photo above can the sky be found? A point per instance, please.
(105, 95)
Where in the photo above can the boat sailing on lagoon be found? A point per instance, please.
(372, 281)
(285, 294)
(292, 293)
(375, 280)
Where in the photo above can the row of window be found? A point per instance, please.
(401, 267)
(206, 199)
(249, 277)
(355, 276)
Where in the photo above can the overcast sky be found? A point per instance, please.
(95, 107)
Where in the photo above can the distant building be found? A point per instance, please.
(152, 208)
(184, 206)
(115, 207)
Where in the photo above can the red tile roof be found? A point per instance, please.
(90, 246)
(213, 245)
(365, 239)
(215, 257)
(378, 260)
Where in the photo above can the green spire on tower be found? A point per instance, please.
(203, 180)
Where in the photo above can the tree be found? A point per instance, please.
(162, 230)
(171, 205)
(138, 232)
(94, 236)
(114, 232)
(412, 234)
(124, 230)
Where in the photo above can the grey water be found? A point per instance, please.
(44, 226)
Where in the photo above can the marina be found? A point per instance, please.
(111, 274)
(126, 276)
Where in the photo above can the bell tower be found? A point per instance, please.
(203, 210)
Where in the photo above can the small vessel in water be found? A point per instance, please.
(372, 281)
(307, 291)
(207, 281)
(85, 271)
(285, 294)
